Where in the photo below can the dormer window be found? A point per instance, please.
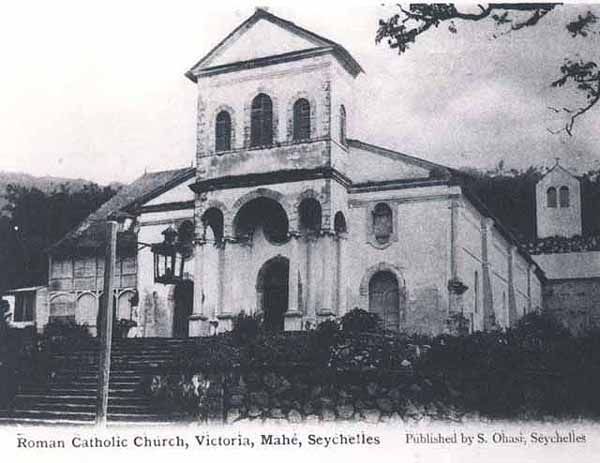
(223, 132)
(551, 197)
(301, 119)
(261, 121)
(563, 196)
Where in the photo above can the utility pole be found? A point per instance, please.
(106, 318)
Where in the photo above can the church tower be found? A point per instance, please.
(274, 104)
(558, 203)
(272, 97)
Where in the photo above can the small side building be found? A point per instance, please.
(569, 258)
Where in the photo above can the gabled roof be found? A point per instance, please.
(558, 167)
(90, 234)
(312, 44)
(397, 155)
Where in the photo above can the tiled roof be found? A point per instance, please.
(89, 235)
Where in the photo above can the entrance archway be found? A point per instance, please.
(183, 307)
(272, 292)
(384, 299)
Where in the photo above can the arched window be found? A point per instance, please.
(301, 119)
(261, 121)
(213, 219)
(563, 196)
(551, 197)
(382, 223)
(310, 213)
(223, 132)
(343, 139)
(339, 223)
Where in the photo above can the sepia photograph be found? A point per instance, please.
(321, 227)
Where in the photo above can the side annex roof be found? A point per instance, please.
(90, 234)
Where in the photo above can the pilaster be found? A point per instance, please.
(489, 318)
(293, 315)
(512, 301)
(198, 320)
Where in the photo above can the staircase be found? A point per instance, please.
(70, 396)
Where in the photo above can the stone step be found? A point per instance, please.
(70, 398)
(53, 414)
(67, 407)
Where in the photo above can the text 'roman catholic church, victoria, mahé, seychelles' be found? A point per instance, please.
(287, 215)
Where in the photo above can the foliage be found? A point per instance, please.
(510, 196)
(178, 393)
(61, 335)
(246, 327)
(360, 321)
(531, 371)
(402, 29)
(122, 327)
(20, 361)
(32, 220)
(328, 331)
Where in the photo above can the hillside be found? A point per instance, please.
(46, 184)
(36, 212)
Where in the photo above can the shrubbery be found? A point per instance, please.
(61, 335)
(533, 370)
(20, 360)
(246, 327)
(360, 321)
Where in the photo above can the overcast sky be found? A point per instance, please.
(96, 89)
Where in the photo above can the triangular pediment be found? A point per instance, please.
(370, 163)
(264, 36)
(261, 40)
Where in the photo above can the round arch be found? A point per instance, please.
(272, 291)
(380, 267)
(290, 114)
(255, 194)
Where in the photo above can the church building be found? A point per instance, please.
(287, 215)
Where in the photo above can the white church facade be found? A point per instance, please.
(288, 216)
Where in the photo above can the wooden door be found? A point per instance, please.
(384, 299)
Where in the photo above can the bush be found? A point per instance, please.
(66, 334)
(122, 327)
(541, 327)
(246, 327)
(360, 321)
(178, 393)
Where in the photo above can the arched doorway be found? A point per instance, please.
(272, 291)
(384, 299)
(184, 304)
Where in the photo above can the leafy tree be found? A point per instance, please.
(402, 29)
(33, 220)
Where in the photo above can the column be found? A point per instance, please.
(530, 270)
(329, 268)
(489, 318)
(198, 319)
(512, 300)
(293, 316)
(340, 283)
(224, 314)
(310, 312)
